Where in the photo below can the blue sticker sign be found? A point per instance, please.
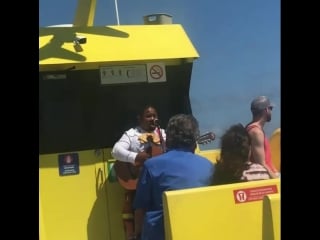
(68, 164)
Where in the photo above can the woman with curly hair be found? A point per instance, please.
(234, 165)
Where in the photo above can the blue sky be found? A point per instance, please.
(238, 42)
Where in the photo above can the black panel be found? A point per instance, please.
(78, 113)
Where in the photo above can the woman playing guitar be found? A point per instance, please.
(134, 147)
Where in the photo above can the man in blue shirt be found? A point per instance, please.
(178, 168)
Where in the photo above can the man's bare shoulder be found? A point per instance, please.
(255, 131)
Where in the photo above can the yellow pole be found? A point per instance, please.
(85, 13)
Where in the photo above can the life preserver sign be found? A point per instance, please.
(253, 194)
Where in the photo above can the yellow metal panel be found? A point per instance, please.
(73, 207)
(212, 154)
(115, 198)
(275, 145)
(113, 44)
(42, 232)
(208, 213)
(271, 217)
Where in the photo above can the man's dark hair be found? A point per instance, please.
(143, 108)
(182, 132)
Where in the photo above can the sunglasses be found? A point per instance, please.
(270, 108)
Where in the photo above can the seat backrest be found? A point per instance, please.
(224, 212)
(275, 146)
(271, 217)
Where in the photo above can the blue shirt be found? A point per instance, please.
(175, 169)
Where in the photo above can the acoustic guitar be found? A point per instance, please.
(128, 173)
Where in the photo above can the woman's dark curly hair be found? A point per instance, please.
(235, 143)
(235, 148)
(182, 132)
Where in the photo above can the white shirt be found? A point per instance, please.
(128, 146)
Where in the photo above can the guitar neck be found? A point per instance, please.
(206, 138)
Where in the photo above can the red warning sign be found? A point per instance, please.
(253, 194)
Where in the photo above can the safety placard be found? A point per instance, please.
(156, 72)
(68, 164)
(253, 194)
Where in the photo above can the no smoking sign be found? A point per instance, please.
(156, 72)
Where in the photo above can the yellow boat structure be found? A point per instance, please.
(91, 79)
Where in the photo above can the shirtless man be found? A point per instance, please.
(261, 109)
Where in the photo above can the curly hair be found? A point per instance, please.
(235, 143)
(143, 108)
(182, 132)
(235, 149)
